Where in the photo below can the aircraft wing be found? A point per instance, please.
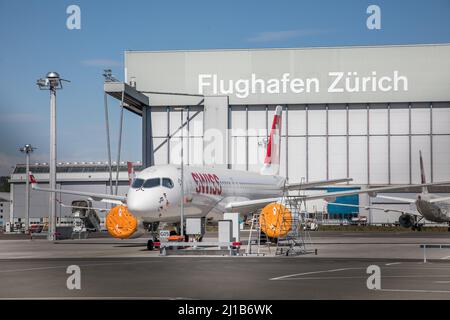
(90, 195)
(250, 205)
(307, 185)
(79, 207)
(109, 198)
(372, 192)
(329, 196)
(408, 200)
(376, 208)
(442, 199)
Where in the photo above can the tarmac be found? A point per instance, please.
(125, 269)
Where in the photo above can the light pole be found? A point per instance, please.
(52, 82)
(182, 177)
(27, 149)
(181, 109)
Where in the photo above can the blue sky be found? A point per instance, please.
(35, 40)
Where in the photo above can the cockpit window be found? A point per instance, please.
(151, 183)
(137, 183)
(168, 183)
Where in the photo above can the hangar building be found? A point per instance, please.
(359, 112)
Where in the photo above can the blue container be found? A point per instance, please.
(341, 211)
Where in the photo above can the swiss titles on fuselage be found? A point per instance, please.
(207, 183)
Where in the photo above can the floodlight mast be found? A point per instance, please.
(52, 82)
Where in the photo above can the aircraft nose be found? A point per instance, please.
(140, 202)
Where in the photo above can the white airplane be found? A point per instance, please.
(155, 193)
(429, 206)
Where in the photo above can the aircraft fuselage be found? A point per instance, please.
(435, 212)
(205, 190)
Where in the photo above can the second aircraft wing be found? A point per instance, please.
(329, 196)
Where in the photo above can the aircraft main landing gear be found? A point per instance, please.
(150, 245)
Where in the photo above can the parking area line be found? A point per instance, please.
(312, 272)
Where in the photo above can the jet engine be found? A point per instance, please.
(275, 220)
(406, 220)
(121, 223)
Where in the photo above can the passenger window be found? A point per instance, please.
(168, 183)
(151, 183)
(137, 183)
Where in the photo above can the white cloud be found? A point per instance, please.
(270, 36)
(101, 63)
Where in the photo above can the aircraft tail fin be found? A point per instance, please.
(131, 173)
(422, 173)
(272, 159)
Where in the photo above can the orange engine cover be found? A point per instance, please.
(120, 222)
(275, 220)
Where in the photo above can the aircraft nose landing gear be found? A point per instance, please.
(153, 229)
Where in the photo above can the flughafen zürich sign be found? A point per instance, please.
(338, 82)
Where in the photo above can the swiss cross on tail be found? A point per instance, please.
(32, 179)
(272, 159)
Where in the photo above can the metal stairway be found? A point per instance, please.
(255, 229)
(296, 240)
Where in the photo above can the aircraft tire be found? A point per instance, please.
(150, 245)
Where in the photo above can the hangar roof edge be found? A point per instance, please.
(292, 48)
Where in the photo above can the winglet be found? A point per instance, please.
(32, 180)
(272, 159)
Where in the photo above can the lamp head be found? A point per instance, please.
(51, 81)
